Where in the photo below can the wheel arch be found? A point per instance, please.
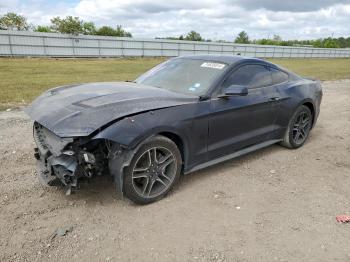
(130, 133)
(178, 140)
(125, 156)
(309, 104)
(173, 135)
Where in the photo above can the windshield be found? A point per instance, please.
(186, 76)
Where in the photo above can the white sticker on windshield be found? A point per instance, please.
(213, 65)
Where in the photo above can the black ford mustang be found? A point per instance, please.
(183, 115)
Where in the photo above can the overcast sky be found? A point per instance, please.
(214, 19)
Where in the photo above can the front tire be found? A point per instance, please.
(154, 170)
(299, 128)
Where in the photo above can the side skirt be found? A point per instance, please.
(234, 155)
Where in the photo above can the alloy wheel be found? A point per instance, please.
(301, 128)
(154, 172)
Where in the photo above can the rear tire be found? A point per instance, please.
(154, 170)
(298, 128)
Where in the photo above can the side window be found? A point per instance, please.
(251, 76)
(278, 76)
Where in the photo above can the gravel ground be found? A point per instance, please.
(272, 205)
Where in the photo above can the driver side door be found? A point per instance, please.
(237, 122)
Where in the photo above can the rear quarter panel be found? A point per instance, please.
(295, 93)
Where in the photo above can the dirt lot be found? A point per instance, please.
(272, 205)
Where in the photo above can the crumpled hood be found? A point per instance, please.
(79, 110)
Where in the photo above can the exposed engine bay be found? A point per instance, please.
(65, 160)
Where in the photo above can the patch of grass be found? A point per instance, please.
(22, 79)
(322, 69)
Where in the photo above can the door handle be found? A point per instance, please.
(276, 98)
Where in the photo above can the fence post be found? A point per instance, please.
(10, 42)
(73, 47)
(44, 45)
(99, 48)
(122, 47)
(255, 52)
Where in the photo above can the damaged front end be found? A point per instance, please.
(66, 160)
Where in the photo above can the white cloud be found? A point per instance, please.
(215, 19)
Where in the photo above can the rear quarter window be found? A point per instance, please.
(278, 76)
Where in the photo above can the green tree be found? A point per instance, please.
(12, 21)
(342, 42)
(109, 31)
(330, 43)
(43, 28)
(68, 25)
(265, 41)
(121, 32)
(318, 43)
(242, 38)
(106, 30)
(193, 36)
(88, 28)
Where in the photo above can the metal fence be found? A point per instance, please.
(23, 43)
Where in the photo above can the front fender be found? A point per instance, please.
(131, 131)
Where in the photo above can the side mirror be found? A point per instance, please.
(234, 90)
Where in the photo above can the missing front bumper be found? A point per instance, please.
(62, 168)
(63, 161)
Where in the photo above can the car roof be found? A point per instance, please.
(227, 59)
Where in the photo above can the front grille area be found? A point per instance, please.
(48, 142)
(53, 165)
(65, 160)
